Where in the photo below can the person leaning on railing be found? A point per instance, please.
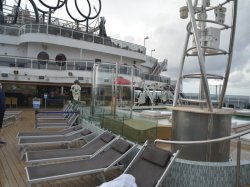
(2, 111)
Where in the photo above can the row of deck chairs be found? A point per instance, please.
(54, 115)
(66, 137)
(64, 118)
(102, 153)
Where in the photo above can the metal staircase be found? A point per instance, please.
(159, 67)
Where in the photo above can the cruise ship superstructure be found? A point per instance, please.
(42, 54)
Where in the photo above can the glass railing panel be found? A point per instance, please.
(77, 35)
(137, 72)
(23, 63)
(151, 77)
(11, 31)
(116, 43)
(42, 28)
(35, 28)
(1, 29)
(66, 33)
(98, 40)
(146, 76)
(136, 129)
(39, 64)
(88, 37)
(70, 66)
(90, 66)
(61, 65)
(157, 78)
(9, 62)
(107, 41)
(124, 45)
(124, 70)
(53, 30)
(53, 66)
(27, 28)
(81, 66)
(141, 50)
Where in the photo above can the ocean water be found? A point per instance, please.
(232, 101)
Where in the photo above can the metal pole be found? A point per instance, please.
(230, 56)
(177, 87)
(93, 90)
(200, 56)
(179, 79)
(238, 163)
(132, 92)
(203, 35)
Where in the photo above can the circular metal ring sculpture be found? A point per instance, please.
(60, 4)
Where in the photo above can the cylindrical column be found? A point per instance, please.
(190, 124)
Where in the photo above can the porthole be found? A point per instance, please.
(60, 59)
(43, 57)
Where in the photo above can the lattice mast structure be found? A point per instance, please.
(206, 42)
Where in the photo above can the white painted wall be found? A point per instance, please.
(52, 50)
(62, 41)
(13, 50)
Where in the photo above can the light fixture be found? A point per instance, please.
(145, 39)
(152, 51)
(98, 61)
(41, 77)
(15, 72)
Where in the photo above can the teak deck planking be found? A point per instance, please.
(12, 173)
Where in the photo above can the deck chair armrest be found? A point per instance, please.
(175, 155)
(119, 159)
(136, 156)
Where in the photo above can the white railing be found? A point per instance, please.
(70, 33)
(80, 65)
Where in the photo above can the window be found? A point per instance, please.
(42, 57)
(60, 59)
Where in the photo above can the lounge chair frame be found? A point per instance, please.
(23, 147)
(139, 153)
(65, 132)
(67, 123)
(112, 166)
(35, 162)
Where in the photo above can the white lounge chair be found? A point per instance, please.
(88, 150)
(24, 144)
(49, 134)
(58, 124)
(149, 167)
(106, 160)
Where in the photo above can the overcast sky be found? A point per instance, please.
(133, 20)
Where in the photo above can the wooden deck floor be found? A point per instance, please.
(12, 173)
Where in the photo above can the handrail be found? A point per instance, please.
(204, 141)
(87, 37)
(74, 66)
(237, 135)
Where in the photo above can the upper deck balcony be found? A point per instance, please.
(11, 66)
(26, 24)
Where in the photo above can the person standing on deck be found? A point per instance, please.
(76, 90)
(2, 111)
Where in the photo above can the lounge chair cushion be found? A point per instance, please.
(86, 132)
(107, 137)
(121, 146)
(78, 127)
(156, 156)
